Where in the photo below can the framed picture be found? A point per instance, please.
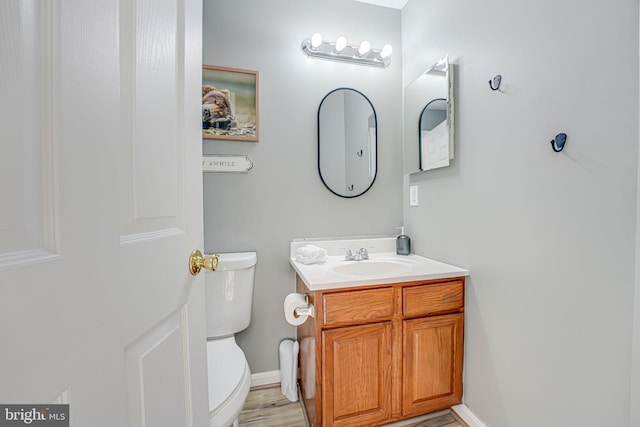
(229, 103)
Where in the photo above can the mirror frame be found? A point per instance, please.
(375, 145)
(446, 119)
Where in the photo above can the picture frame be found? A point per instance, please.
(230, 108)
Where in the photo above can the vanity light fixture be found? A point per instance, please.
(316, 40)
(341, 43)
(364, 48)
(340, 50)
(440, 68)
(386, 51)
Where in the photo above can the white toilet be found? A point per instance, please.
(229, 293)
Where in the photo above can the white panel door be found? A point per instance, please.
(101, 204)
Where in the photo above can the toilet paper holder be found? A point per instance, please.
(309, 310)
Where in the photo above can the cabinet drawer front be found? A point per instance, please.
(430, 299)
(355, 307)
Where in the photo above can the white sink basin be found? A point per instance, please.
(384, 268)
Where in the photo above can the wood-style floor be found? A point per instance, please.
(267, 407)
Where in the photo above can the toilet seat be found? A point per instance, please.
(229, 381)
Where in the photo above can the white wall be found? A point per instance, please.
(282, 197)
(549, 237)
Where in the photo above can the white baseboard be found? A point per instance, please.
(467, 416)
(265, 378)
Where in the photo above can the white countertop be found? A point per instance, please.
(328, 275)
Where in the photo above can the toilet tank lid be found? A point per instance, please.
(236, 260)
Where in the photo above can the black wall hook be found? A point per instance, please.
(558, 143)
(494, 84)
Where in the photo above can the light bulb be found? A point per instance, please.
(341, 43)
(316, 40)
(386, 51)
(364, 48)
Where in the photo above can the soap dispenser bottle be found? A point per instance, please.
(403, 243)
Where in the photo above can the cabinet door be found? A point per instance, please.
(432, 368)
(357, 375)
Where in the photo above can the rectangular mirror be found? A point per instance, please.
(429, 119)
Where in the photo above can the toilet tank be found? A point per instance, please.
(229, 294)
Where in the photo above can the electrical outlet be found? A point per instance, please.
(413, 195)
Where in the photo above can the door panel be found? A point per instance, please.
(148, 366)
(153, 138)
(356, 375)
(101, 189)
(29, 181)
(433, 358)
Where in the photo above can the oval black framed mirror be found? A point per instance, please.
(433, 135)
(347, 142)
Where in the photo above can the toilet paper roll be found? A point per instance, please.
(291, 302)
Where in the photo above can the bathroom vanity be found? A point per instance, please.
(382, 347)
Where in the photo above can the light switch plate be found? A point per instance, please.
(413, 195)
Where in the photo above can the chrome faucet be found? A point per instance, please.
(348, 256)
(362, 254)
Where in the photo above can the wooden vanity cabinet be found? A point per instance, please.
(378, 354)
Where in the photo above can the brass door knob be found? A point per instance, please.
(197, 261)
